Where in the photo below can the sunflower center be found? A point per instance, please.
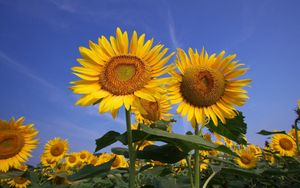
(202, 86)
(285, 144)
(124, 75)
(152, 110)
(57, 150)
(11, 143)
(20, 180)
(82, 156)
(116, 162)
(72, 159)
(245, 160)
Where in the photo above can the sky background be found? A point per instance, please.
(39, 43)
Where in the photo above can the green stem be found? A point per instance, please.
(296, 134)
(131, 151)
(197, 161)
(208, 179)
(190, 173)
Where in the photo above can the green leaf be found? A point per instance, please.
(106, 140)
(165, 153)
(264, 132)
(185, 142)
(11, 174)
(234, 129)
(120, 151)
(90, 171)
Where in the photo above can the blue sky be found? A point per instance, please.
(39, 43)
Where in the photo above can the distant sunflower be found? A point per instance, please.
(84, 155)
(284, 144)
(16, 143)
(246, 159)
(56, 148)
(292, 133)
(206, 86)
(72, 160)
(47, 161)
(118, 71)
(151, 111)
(19, 182)
(119, 162)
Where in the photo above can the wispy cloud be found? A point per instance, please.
(6, 60)
(172, 32)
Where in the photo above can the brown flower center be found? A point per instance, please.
(20, 180)
(57, 149)
(152, 109)
(116, 162)
(72, 159)
(124, 75)
(202, 86)
(11, 143)
(245, 159)
(285, 144)
(82, 156)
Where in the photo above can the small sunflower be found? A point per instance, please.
(72, 160)
(104, 158)
(93, 160)
(292, 133)
(47, 161)
(56, 148)
(206, 86)
(246, 159)
(19, 182)
(255, 149)
(119, 162)
(150, 111)
(284, 144)
(118, 71)
(84, 155)
(16, 143)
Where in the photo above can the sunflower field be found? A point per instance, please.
(136, 74)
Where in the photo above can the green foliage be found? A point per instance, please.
(264, 132)
(90, 171)
(234, 129)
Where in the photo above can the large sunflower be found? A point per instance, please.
(16, 143)
(206, 86)
(284, 144)
(55, 149)
(118, 71)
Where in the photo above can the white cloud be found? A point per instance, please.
(172, 30)
(4, 59)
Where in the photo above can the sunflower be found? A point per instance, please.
(47, 161)
(206, 86)
(72, 160)
(119, 162)
(56, 148)
(117, 72)
(148, 112)
(246, 159)
(104, 158)
(19, 182)
(292, 133)
(84, 155)
(284, 144)
(255, 149)
(93, 160)
(16, 143)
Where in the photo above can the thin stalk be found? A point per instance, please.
(131, 151)
(197, 161)
(296, 134)
(208, 179)
(190, 172)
